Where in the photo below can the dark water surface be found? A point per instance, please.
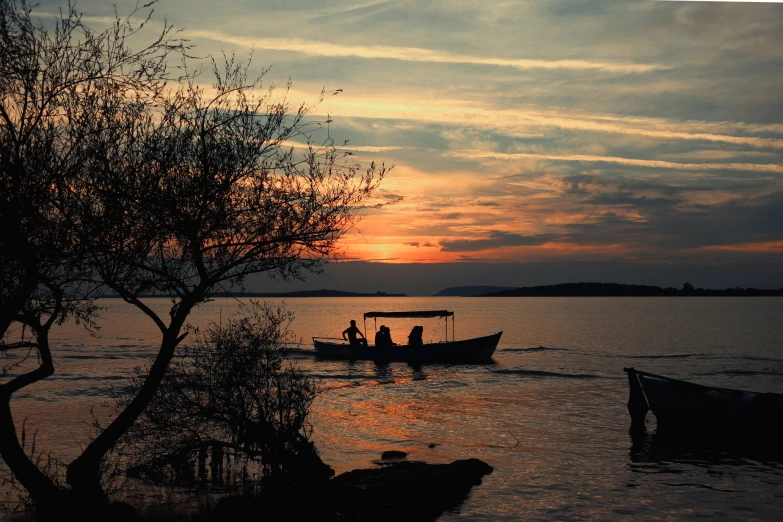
(548, 413)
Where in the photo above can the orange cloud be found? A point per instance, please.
(763, 246)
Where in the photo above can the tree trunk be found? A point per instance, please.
(83, 474)
(52, 503)
(39, 486)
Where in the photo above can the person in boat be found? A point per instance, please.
(415, 337)
(383, 337)
(388, 336)
(380, 337)
(352, 331)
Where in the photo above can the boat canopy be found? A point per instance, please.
(415, 313)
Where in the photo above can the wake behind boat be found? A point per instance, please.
(478, 349)
(693, 408)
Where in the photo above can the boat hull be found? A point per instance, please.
(684, 406)
(479, 349)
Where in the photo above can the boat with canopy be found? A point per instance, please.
(477, 349)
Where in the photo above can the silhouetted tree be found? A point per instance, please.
(53, 84)
(111, 179)
(209, 191)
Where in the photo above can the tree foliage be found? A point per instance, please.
(54, 84)
(230, 392)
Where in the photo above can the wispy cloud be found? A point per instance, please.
(620, 126)
(656, 164)
(416, 54)
(496, 239)
(528, 121)
(348, 147)
(763, 246)
(518, 122)
(369, 148)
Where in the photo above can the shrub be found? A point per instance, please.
(229, 397)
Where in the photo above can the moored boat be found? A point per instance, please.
(478, 349)
(687, 407)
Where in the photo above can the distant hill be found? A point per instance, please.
(620, 290)
(470, 291)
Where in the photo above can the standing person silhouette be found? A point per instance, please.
(352, 331)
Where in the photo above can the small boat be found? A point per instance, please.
(478, 349)
(687, 407)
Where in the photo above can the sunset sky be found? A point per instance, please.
(531, 135)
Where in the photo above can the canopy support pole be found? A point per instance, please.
(453, 318)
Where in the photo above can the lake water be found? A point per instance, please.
(548, 414)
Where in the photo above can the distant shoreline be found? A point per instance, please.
(559, 290)
(621, 290)
(302, 293)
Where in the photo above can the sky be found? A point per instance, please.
(534, 142)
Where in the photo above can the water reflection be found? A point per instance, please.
(383, 371)
(418, 371)
(665, 452)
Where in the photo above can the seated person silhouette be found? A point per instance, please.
(383, 337)
(387, 336)
(414, 338)
(380, 337)
(352, 331)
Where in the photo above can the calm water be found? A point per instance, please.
(548, 414)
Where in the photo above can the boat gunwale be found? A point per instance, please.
(477, 349)
(347, 344)
(693, 385)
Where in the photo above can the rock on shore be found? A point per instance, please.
(410, 491)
